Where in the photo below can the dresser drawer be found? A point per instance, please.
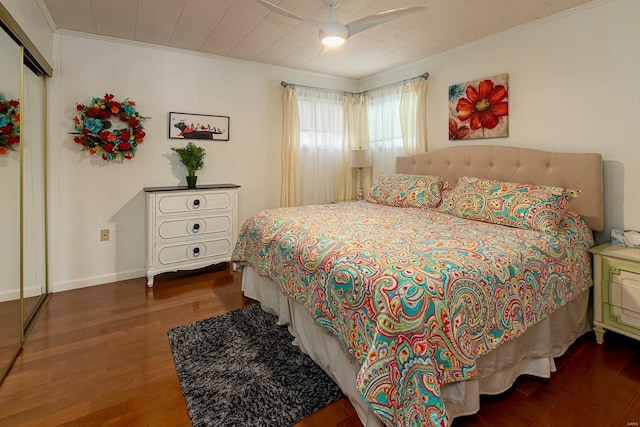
(195, 251)
(176, 228)
(192, 202)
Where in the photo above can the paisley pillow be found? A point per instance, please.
(409, 191)
(534, 207)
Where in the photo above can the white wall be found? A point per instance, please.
(574, 85)
(87, 194)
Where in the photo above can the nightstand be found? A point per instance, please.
(616, 290)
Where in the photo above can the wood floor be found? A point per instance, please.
(100, 356)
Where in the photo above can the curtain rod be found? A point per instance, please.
(423, 76)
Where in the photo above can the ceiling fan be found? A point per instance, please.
(332, 32)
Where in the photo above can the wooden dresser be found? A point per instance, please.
(189, 228)
(616, 290)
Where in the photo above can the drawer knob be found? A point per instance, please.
(196, 227)
(196, 252)
(196, 203)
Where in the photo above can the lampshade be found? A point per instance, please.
(360, 158)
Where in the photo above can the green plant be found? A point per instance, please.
(191, 157)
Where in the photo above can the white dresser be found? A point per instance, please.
(189, 228)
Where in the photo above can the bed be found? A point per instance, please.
(416, 308)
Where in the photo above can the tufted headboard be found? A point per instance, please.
(581, 171)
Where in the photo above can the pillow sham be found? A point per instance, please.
(533, 207)
(409, 191)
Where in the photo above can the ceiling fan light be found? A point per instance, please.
(333, 41)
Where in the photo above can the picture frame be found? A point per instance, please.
(479, 109)
(198, 126)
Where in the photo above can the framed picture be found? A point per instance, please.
(479, 109)
(198, 126)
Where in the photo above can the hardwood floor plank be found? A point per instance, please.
(631, 416)
(340, 411)
(100, 356)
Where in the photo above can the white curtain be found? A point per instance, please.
(356, 136)
(321, 145)
(290, 187)
(320, 128)
(385, 130)
(413, 116)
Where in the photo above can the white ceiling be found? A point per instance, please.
(244, 29)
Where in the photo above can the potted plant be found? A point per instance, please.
(191, 157)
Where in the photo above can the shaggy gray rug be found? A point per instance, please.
(240, 369)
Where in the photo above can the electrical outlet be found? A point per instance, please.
(104, 235)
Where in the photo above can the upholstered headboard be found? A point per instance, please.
(581, 171)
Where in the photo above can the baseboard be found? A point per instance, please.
(98, 280)
(9, 295)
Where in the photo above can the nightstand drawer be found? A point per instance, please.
(622, 299)
(624, 290)
(170, 229)
(621, 318)
(171, 204)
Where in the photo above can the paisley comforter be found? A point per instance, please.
(415, 295)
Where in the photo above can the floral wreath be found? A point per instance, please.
(93, 126)
(9, 124)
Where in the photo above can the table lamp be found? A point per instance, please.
(360, 159)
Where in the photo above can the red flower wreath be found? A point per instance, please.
(9, 125)
(93, 128)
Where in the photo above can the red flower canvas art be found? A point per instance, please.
(479, 109)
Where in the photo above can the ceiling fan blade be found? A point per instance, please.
(367, 22)
(289, 14)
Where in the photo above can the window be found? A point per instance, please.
(385, 132)
(321, 139)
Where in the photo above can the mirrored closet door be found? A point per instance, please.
(34, 268)
(23, 232)
(10, 298)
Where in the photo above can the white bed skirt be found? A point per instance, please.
(532, 353)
